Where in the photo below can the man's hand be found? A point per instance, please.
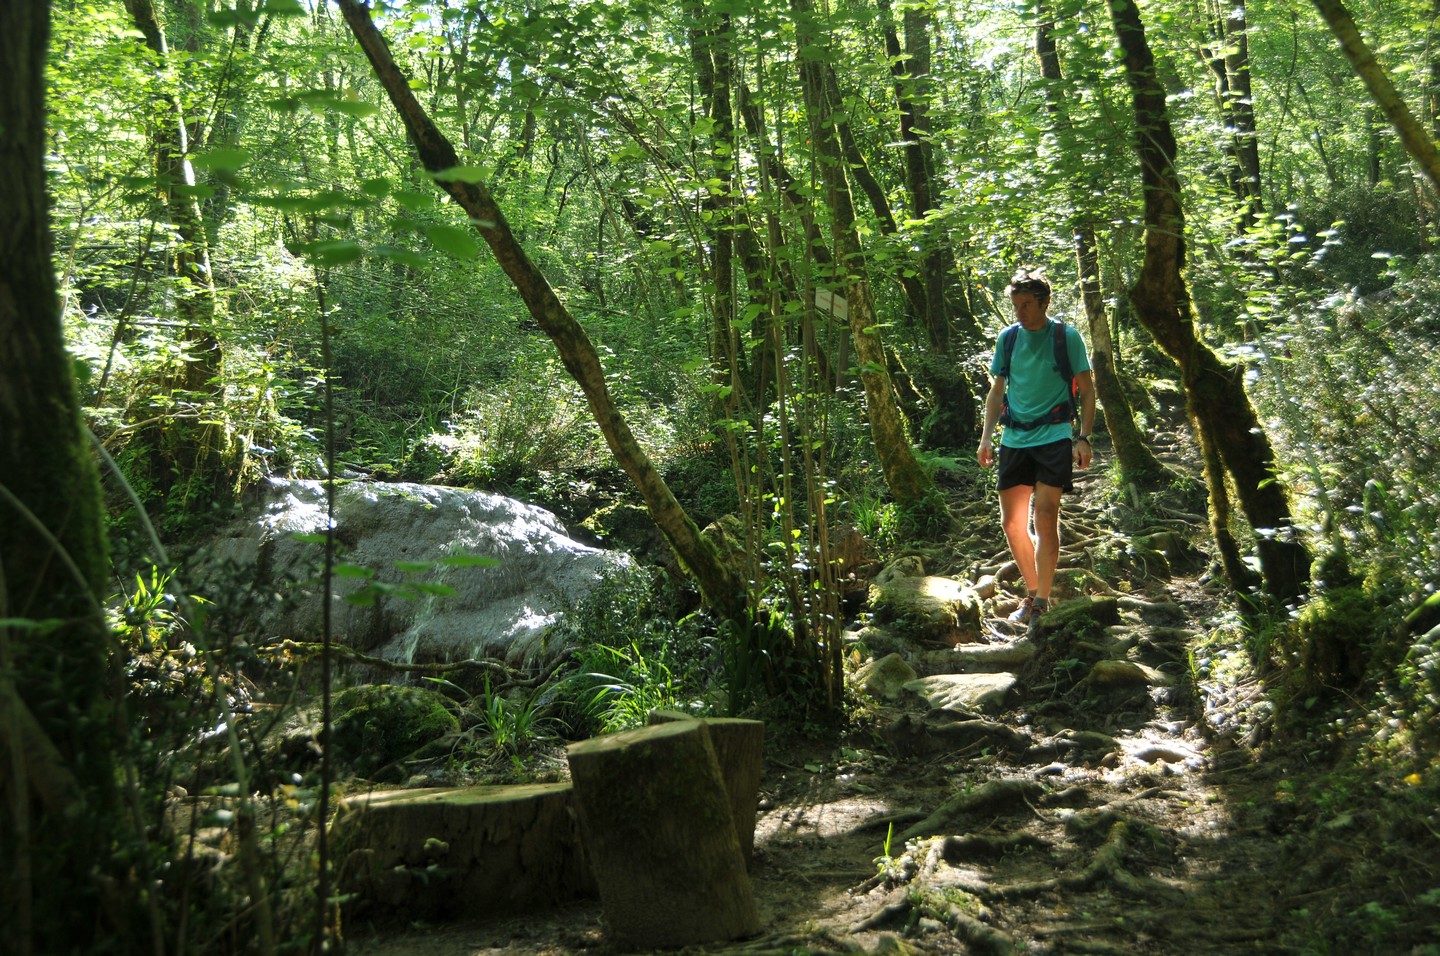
(1083, 453)
(986, 453)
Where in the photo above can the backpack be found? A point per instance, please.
(1066, 410)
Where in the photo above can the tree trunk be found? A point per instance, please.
(740, 750)
(468, 852)
(57, 731)
(1214, 391)
(1416, 139)
(186, 452)
(904, 476)
(1137, 461)
(655, 819)
(723, 590)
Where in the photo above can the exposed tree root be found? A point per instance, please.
(998, 796)
(1107, 866)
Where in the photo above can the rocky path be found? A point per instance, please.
(1093, 791)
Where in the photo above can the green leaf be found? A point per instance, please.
(415, 201)
(473, 175)
(453, 241)
(221, 158)
(353, 571)
(439, 590)
(402, 256)
(333, 252)
(469, 561)
(377, 187)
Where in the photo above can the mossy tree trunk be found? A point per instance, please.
(1137, 461)
(188, 445)
(57, 734)
(1413, 135)
(723, 589)
(1225, 421)
(905, 478)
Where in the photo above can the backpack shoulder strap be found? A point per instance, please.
(1062, 351)
(1007, 348)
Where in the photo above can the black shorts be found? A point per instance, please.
(1051, 464)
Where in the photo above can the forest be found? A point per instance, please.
(717, 285)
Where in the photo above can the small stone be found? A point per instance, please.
(885, 678)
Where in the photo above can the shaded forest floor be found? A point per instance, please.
(1158, 817)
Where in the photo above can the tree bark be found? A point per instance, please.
(57, 732)
(903, 475)
(722, 589)
(740, 750)
(184, 451)
(1214, 391)
(1413, 135)
(1137, 461)
(655, 818)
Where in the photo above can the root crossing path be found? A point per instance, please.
(1109, 797)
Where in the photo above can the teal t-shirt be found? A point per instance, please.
(1034, 386)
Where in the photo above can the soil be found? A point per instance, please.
(1154, 818)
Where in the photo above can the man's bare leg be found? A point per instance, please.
(1047, 538)
(1015, 519)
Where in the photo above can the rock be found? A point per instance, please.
(965, 693)
(412, 541)
(880, 641)
(885, 678)
(929, 610)
(909, 566)
(986, 587)
(1110, 675)
(1155, 753)
(1079, 614)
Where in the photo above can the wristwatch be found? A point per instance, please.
(1085, 439)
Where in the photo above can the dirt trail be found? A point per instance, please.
(1079, 819)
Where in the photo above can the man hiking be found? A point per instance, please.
(1038, 389)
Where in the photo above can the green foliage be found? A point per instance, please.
(377, 726)
(538, 422)
(630, 658)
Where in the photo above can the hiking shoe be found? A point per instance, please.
(1021, 614)
(1037, 610)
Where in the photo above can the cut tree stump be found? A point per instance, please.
(656, 822)
(740, 748)
(439, 854)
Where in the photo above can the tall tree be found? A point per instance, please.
(1416, 139)
(722, 588)
(907, 481)
(1225, 422)
(188, 447)
(1137, 461)
(57, 732)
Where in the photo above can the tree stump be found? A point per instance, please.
(440, 854)
(655, 819)
(739, 746)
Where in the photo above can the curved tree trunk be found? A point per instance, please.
(1214, 391)
(723, 590)
(57, 732)
(1416, 139)
(1137, 461)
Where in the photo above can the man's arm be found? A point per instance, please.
(994, 401)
